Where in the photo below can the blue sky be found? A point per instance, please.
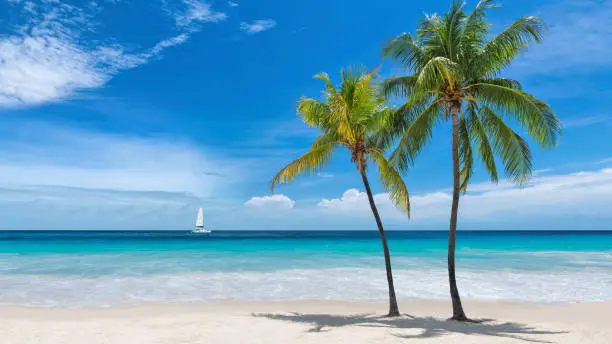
(129, 114)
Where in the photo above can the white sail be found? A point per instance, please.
(200, 218)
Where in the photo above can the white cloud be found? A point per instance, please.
(258, 26)
(46, 58)
(232, 4)
(274, 202)
(351, 200)
(581, 193)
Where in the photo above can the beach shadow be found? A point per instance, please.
(429, 327)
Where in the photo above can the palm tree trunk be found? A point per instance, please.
(458, 313)
(393, 308)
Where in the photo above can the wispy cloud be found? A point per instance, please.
(166, 43)
(83, 159)
(325, 175)
(303, 28)
(56, 207)
(257, 26)
(585, 121)
(605, 161)
(281, 133)
(197, 11)
(232, 4)
(46, 57)
(578, 38)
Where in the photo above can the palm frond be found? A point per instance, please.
(314, 113)
(329, 86)
(366, 100)
(438, 73)
(504, 82)
(311, 162)
(395, 122)
(503, 48)
(466, 159)
(337, 114)
(475, 27)
(454, 19)
(404, 49)
(392, 181)
(511, 147)
(431, 36)
(483, 146)
(382, 125)
(531, 113)
(329, 137)
(399, 86)
(421, 121)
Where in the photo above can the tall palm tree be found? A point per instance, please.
(455, 65)
(351, 116)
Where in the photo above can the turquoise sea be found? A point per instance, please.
(99, 269)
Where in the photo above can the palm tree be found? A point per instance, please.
(350, 116)
(455, 65)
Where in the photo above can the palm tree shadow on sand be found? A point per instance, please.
(429, 327)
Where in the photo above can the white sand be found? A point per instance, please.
(320, 322)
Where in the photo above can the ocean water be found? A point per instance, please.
(101, 269)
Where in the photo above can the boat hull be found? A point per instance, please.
(201, 230)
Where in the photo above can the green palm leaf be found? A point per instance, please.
(420, 122)
(439, 72)
(483, 146)
(511, 147)
(399, 86)
(503, 48)
(466, 160)
(475, 27)
(313, 112)
(404, 49)
(392, 180)
(534, 115)
(309, 163)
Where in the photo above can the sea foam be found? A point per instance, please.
(328, 284)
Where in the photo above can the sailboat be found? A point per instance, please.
(199, 227)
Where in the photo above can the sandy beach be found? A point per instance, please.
(307, 322)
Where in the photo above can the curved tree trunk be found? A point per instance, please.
(458, 313)
(393, 308)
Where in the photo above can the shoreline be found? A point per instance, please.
(225, 304)
(313, 321)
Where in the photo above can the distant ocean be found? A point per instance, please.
(100, 269)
